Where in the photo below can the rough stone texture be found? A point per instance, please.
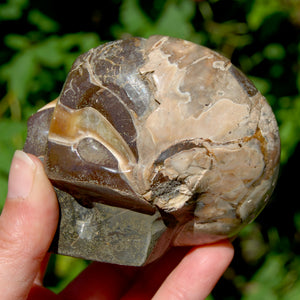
(108, 233)
(160, 129)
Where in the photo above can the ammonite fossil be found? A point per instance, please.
(152, 143)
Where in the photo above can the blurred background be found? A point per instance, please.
(40, 40)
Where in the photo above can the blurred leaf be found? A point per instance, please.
(261, 9)
(22, 70)
(133, 18)
(13, 9)
(276, 70)
(274, 51)
(230, 33)
(293, 293)
(259, 292)
(298, 73)
(206, 11)
(13, 139)
(289, 121)
(209, 297)
(3, 190)
(253, 246)
(49, 53)
(262, 84)
(175, 20)
(18, 73)
(268, 278)
(16, 42)
(43, 23)
(67, 268)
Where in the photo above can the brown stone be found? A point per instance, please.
(154, 143)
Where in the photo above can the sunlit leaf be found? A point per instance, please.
(261, 9)
(18, 73)
(133, 18)
(67, 268)
(175, 20)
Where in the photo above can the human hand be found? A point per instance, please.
(27, 226)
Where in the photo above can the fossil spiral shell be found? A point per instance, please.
(161, 124)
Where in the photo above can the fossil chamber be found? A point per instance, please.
(154, 143)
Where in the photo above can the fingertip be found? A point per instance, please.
(198, 272)
(213, 258)
(31, 203)
(223, 247)
(21, 176)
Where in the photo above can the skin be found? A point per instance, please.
(27, 226)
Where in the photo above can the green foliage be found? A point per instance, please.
(65, 269)
(276, 279)
(30, 76)
(288, 116)
(261, 10)
(13, 138)
(12, 10)
(174, 20)
(42, 22)
(260, 36)
(22, 73)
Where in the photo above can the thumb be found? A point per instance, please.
(27, 225)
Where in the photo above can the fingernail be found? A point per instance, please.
(21, 176)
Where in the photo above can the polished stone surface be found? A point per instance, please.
(160, 129)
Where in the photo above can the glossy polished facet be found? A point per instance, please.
(161, 129)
